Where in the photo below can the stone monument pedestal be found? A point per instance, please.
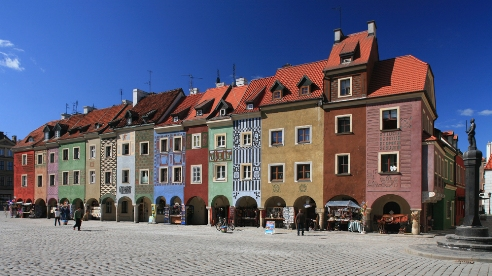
(470, 238)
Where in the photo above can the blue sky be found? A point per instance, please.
(54, 53)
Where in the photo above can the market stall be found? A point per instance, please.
(343, 215)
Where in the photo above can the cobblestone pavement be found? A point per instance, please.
(36, 247)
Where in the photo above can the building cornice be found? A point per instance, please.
(249, 115)
(220, 123)
(170, 128)
(195, 122)
(297, 104)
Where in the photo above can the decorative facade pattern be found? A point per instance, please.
(108, 164)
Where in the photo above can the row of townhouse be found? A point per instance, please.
(350, 127)
(6, 168)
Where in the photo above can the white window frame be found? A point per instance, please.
(180, 143)
(108, 153)
(249, 106)
(216, 140)
(196, 140)
(24, 180)
(167, 145)
(310, 163)
(92, 152)
(199, 177)
(243, 135)
(180, 173)
(270, 137)
(141, 148)
(270, 172)
(160, 175)
(141, 176)
(57, 134)
(199, 112)
(37, 158)
(343, 116)
(340, 87)
(92, 177)
(243, 169)
(37, 180)
(308, 89)
(175, 119)
(63, 154)
(110, 177)
(221, 179)
(222, 112)
(123, 145)
(24, 159)
(65, 178)
(336, 163)
(52, 176)
(127, 171)
(381, 110)
(387, 153)
(310, 134)
(76, 157)
(78, 177)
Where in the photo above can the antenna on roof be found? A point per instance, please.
(233, 74)
(121, 94)
(75, 105)
(340, 10)
(218, 77)
(150, 81)
(66, 108)
(191, 80)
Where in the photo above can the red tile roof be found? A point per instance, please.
(37, 136)
(397, 76)
(290, 76)
(185, 106)
(212, 94)
(235, 95)
(347, 45)
(489, 163)
(254, 93)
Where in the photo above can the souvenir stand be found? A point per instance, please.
(175, 214)
(343, 215)
(275, 214)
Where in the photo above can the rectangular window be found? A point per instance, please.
(303, 172)
(177, 144)
(125, 176)
(277, 94)
(249, 106)
(24, 159)
(9, 153)
(2, 151)
(92, 152)
(92, 177)
(40, 181)
(197, 140)
(389, 118)
(345, 87)
(24, 181)
(388, 162)
(109, 207)
(52, 180)
(163, 176)
(124, 207)
(246, 139)
(343, 124)
(276, 137)
(40, 159)
(2, 165)
(52, 157)
(144, 177)
(196, 174)
(220, 141)
(107, 151)
(144, 148)
(64, 178)
(246, 173)
(76, 177)
(125, 149)
(304, 90)
(303, 135)
(65, 154)
(9, 181)
(10, 166)
(76, 153)
(177, 176)
(107, 177)
(164, 145)
(220, 172)
(2, 181)
(199, 112)
(276, 173)
(342, 162)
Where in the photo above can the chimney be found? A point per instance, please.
(88, 109)
(218, 84)
(338, 35)
(371, 28)
(1, 135)
(193, 91)
(14, 138)
(126, 102)
(65, 116)
(138, 95)
(241, 81)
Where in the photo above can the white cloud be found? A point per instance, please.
(6, 43)
(10, 62)
(485, 112)
(18, 49)
(458, 125)
(466, 112)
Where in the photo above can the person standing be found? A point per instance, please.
(57, 217)
(300, 220)
(77, 216)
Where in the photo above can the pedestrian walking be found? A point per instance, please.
(77, 216)
(57, 216)
(300, 220)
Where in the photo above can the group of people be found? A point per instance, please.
(77, 216)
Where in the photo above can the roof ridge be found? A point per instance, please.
(302, 64)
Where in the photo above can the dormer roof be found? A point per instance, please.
(183, 110)
(253, 95)
(359, 45)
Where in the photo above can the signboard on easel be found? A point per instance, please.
(270, 227)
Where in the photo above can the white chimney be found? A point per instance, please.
(489, 150)
(193, 91)
(241, 82)
(138, 95)
(126, 102)
(371, 28)
(88, 109)
(65, 116)
(338, 35)
(219, 84)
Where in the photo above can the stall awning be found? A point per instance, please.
(342, 203)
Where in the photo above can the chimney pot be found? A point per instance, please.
(371, 28)
(241, 82)
(14, 138)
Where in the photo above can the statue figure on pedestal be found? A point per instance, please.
(471, 135)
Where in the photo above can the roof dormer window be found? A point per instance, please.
(304, 90)
(277, 94)
(346, 60)
(97, 126)
(175, 119)
(129, 121)
(46, 135)
(249, 106)
(199, 112)
(57, 134)
(222, 112)
(30, 139)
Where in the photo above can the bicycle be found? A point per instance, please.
(222, 222)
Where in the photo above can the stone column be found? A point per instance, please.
(117, 217)
(322, 220)
(47, 211)
(472, 159)
(415, 217)
(101, 211)
(261, 214)
(366, 221)
(209, 215)
(135, 213)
